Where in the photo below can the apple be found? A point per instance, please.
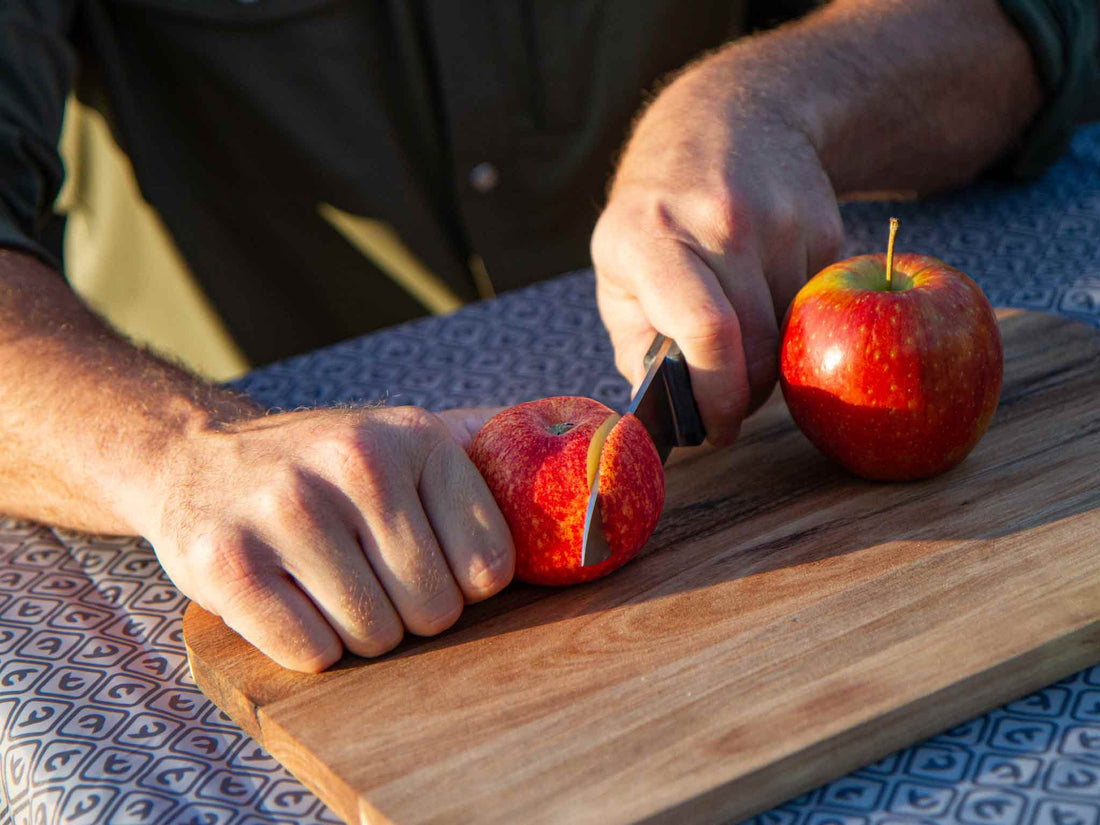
(892, 365)
(539, 459)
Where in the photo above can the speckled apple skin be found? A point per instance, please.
(540, 483)
(895, 385)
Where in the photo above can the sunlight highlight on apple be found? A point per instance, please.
(832, 358)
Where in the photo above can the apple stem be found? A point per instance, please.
(890, 254)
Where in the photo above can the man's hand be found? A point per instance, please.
(314, 532)
(719, 209)
(724, 201)
(308, 532)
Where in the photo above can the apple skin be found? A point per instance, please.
(539, 479)
(894, 385)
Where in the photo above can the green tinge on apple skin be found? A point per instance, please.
(868, 272)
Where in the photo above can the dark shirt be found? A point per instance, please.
(484, 127)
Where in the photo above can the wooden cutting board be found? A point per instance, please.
(786, 624)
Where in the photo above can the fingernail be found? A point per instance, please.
(491, 572)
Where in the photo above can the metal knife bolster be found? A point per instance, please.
(664, 402)
(666, 407)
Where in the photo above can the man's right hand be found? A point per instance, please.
(318, 531)
(724, 200)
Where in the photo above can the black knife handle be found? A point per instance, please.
(686, 419)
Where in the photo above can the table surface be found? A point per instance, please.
(101, 723)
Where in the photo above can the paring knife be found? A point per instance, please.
(666, 407)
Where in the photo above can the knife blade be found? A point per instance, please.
(666, 407)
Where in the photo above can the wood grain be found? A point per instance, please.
(786, 624)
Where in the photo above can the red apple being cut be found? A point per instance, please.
(539, 459)
(892, 365)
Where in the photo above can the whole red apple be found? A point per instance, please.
(892, 366)
(538, 459)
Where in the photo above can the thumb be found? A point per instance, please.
(463, 424)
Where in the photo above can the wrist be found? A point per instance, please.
(745, 92)
(786, 80)
(180, 437)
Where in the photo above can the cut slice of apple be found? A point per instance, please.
(595, 446)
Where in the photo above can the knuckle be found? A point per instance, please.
(726, 219)
(490, 572)
(598, 245)
(614, 241)
(371, 622)
(441, 454)
(361, 462)
(419, 433)
(353, 453)
(663, 217)
(287, 498)
(232, 568)
(830, 241)
(714, 328)
(383, 642)
(437, 611)
(762, 365)
(785, 224)
(430, 441)
(286, 642)
(382, 638)
(416, 420)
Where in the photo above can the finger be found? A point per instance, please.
(742, 280)
(683, 299)
(823, 246)
(266, 608)
(350, 597)
(287, 627)
(628, 327)
(798, 267)
(463, 424)
(403, 552)
(320, 549)
(630, 331)
(471, 530)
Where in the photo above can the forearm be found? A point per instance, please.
(88, 423)
(893, 94)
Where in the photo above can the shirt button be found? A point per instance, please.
(484, 177)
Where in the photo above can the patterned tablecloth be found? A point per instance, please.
(101, 723)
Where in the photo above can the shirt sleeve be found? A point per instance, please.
(1063, 37)
(37, 67)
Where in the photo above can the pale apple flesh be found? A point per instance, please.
(595, 446)
(894, 383)
(535, 459)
